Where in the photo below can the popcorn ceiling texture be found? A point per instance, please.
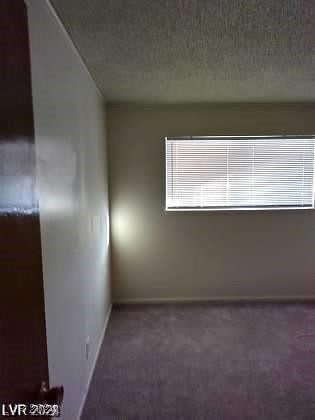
(195, 51)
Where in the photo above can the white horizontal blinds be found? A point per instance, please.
(239, 172)
(283, 173)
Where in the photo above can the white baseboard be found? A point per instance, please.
(217, 299)
(94, 362)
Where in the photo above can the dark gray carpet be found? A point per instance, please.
(206, 361)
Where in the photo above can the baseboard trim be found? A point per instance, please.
(219, 299)
(94, 362)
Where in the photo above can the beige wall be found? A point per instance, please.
(172, 255)
(72, 175)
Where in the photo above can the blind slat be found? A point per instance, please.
(240, 173)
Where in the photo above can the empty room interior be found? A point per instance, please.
(157, 224)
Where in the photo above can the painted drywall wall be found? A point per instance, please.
(186, 255)
(72, 175)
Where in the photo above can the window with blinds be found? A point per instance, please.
(239, 173)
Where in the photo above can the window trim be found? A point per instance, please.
(234, 209)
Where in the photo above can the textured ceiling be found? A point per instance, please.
(183, 51)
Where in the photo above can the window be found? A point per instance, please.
(239, 173)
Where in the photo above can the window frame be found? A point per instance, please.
(234, 209)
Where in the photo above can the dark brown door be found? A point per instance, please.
(23, 352)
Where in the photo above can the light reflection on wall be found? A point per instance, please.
(105, 238)
(124, 227)
(55, 205)
(56, 173)
(107, 230)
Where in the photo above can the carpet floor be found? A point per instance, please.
(206, 361)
